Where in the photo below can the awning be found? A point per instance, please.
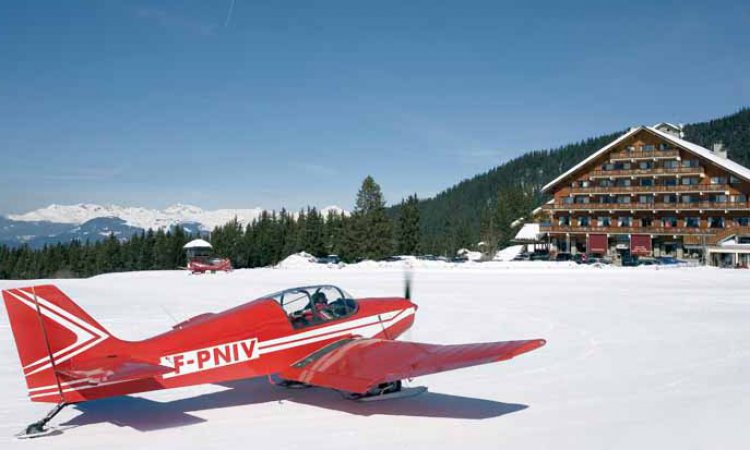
(597, 243)
(640, 244)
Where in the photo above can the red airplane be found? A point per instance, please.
(209, 265)
(306, 336)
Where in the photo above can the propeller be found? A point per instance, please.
(407, 284)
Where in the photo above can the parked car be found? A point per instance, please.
(330, 259)
(598, 260)
(630, 261)
(523, 256)
(391, 259)
(564, 257)
(669, 261)
(539, 256)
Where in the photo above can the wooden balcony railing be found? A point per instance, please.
(728, 232)
(715, 235)
(657, 154)
(549, 228)
(658, 206)
(650, 189)
(646, 172)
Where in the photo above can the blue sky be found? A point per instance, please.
(244, 104)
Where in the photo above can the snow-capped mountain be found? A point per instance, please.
(138, 217)
(62, 223)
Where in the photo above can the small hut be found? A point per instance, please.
(198, 249)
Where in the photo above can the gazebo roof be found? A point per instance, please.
(197, 243)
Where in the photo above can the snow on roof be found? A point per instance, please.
(737, 169)
(591, 157)
(528, 232)
(703, 152)
(667, 124)
(197, 243)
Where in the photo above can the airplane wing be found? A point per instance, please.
(357, 365)
(102, 370)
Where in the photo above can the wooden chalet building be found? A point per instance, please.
(652, 193)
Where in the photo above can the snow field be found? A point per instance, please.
(636, 358)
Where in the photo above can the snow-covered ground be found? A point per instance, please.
(636, 358)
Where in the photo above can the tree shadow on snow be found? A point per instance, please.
(147, 415)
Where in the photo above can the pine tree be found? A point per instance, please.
(409, 233)
(371, 234)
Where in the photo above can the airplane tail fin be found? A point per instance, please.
(51, 333)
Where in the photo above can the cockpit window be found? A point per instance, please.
(312, 305)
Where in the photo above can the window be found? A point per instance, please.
(622, 199)
(564, 221)
(647, 182)
(671, 164)
(690, 163)
(585, 183)
(603, 221)
(645, 165)
(646, 222)
(312, 305)
(743, 221)
(739, 198)
(717, 198)
(689, 199)
(718, 180)
(715, 222)
(623, 182)
(624, 221)
(630, 148)
(648, 148)
(567, 200)
(690, 181)
(669, 198)
(645, 199)
(583, 221)
(608, 166)
(605, 183)
(581, 199)
(670, 182)
(669, 222)
(663, 146)
(733, 180)
(607, 199)
(574, 184)
(692, 222)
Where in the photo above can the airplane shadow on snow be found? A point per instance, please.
(149, 415)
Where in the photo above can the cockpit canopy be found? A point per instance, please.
(311, 305)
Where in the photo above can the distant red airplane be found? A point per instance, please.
(316, 335)
(209, 265)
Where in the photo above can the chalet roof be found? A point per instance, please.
(729, 165)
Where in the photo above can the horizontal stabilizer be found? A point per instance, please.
(111, 369)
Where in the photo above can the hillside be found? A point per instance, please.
(453, 218)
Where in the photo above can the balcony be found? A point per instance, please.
(671, 231)
(609, 190)
(657, 206)
(641, 155)
(653, 172)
